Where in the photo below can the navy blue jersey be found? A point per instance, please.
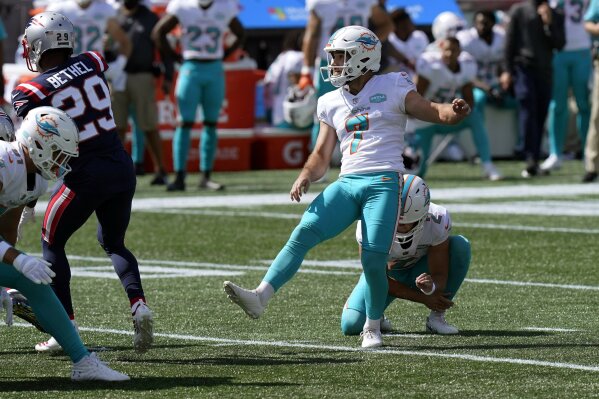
(79, 88)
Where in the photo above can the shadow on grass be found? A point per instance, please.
(136, 384)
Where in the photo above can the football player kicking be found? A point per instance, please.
(45, 142)
(426, 264)
(102, 179)
(368, 115)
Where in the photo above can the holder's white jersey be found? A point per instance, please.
(411, 48)
(370, 125)
(335, 14)
(89, 23)
(277, 76)
(13, 176)
(577, 38)
(488, 56)
(445, 85)
(203, 30)
(435, 231)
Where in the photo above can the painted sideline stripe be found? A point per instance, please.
(533, 284)
(337, 348)
(550, 329)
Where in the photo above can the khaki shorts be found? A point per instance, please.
(139, 96)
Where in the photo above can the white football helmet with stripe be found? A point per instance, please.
(46, 31)
(51, 138)
(415, 202)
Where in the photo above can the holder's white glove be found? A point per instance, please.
(6, 304)
(35, 269)
(28, 216)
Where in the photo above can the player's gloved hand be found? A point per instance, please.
(27, 216)
(6, 304)
(306, 78)
(34, 269)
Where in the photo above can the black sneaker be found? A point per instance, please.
(589, 177)
(177, 185)
(21, 308)
(159, 179)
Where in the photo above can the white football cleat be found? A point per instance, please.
(91, 368)
(247, 300)
(143, 326)
(52, 344)
(553, 162)
(491, 171)
(386, 325)
(436, 324)
(371, 339)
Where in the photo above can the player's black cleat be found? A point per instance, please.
(21, 308)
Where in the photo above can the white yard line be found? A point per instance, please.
(549, 329)
(338, 348)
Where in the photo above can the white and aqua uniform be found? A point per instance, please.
(444, 86)
(370, 127)
(277, 77)
(410, 263)
(334, 15)
(89, 23)
(201, 78)
(411, 49)
(572, 68)
(19, 188)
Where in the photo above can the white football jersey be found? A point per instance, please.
(277, 76)
(335, 14)
(370, 125)
(411, 48)
(89, 23)
(445, 84)
(488, 57)
(577, 38)
(435, 231)
(203, 30)
(13, 176)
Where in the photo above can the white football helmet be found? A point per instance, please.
(7, 128)
(299, 107)
(46, 31)
(447, 24)
(83, 3)
(52, 139)
(362, 50)
(415, 201)
(205, 3)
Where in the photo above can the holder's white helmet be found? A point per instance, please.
(7, 128)
(52, 139)
(447, 24)
(415, 201)
(83, 3)
(205, 3)
(299, 107)
(46, 31)
(362, 50)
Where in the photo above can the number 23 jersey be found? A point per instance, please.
(202, 30)
(370, 125)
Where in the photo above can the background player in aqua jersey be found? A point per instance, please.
(326, 17)
(441, 76)
(201, 78)
(426, 264)
(367, 113)
(45, 142)
(102, 180)
(572, 67)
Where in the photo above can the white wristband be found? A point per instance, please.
(431, 291)
(4, 247)
(306, 70)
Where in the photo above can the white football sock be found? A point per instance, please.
(265, 291)
(372, 324)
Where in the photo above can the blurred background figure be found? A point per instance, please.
(534, 32)
(591, 149)
(407, 40)
(571, 70)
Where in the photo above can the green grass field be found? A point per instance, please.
(527, 311)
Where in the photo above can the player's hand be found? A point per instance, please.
(505, 80)
(6, 304)
(438, 302)
(35, 269)
(305, 78)
(424, 282)
(300, 187)
(27, 216)
(460, 107)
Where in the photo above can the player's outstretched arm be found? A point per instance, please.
(425, 110)
(318, 162)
